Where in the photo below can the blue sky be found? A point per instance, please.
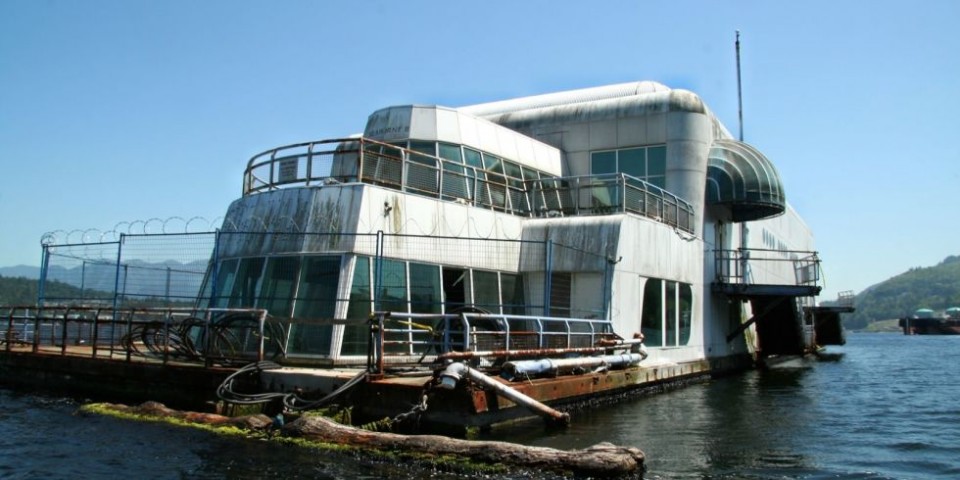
(119, 111)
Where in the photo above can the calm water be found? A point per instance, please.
(885, 406)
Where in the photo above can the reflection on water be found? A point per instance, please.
(883, 406)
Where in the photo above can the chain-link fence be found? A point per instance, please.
(276, 270)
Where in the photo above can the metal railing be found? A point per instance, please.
(209, 336)
(737, 267)
(609, 193)
(364, 160)
(232, 337)
(412, 338)
(346, 160)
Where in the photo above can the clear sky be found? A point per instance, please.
(113, 112)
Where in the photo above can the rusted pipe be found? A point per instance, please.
(457, 371)
(555, 366)
(533, 352)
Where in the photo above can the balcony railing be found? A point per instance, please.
(609, 193)
(536, 195)
(775, 271)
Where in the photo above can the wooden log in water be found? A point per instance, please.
(159, 410)
(601, 459)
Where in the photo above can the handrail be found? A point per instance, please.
(360, 159)
(416, 336)
(189, 335)
(736, 267)
(610, 193)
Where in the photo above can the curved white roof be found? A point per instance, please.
(569, 97)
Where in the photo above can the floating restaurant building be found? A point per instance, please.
(588, 242)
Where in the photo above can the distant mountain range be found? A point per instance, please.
(936, 288)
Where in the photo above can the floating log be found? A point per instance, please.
(603, 459)
(156, 409)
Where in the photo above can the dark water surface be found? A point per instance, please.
(883, 406)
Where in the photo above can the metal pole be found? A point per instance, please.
(739, 91)
(547, 281)
(44, 265)
(214, 269)
(116, 276)
(379, 273)
(83, 278)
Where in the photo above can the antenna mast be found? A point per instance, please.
(739, 92)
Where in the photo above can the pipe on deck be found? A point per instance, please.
(528, 368)
(454, 372)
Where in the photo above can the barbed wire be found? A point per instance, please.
(152, 225)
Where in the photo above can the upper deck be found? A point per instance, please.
(461, 174)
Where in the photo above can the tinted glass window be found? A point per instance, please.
(686, 313)
(652, 318)
(279, 283)
(632, 161)
(316, 300)
(355, 335)
(424, 288)
(486, 291)
(603, 162)
(247, 283)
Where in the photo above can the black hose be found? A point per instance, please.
(291, 401)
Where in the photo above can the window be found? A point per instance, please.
(316, 299)
(279, 283)
(651, 323)
(496, 183)
(355, 335)
(247, 283)
(454, 182)
(486, 291)
(646, 163)
(511, 288)
(560, 283)
(422, 169)
(226, 275)
(424, 288)
(667, 313)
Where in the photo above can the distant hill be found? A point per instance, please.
(138, 278)
(936, 288)
(23, 291)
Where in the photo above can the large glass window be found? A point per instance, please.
(646, 163)
(316, 300)
(392, 292)
(279, 283)
(652, 317)
(422, 169)
(511, 288)
(603, 162)
(454, 183)
(392, 297)
(247, 283)
(424, 288)
(496, 183)
(686, 313)
(670, 319)
(486, 291)
(355, 335)
(226, 275)
(317, 295)
(667, 313)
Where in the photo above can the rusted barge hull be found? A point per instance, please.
(182, 386)
(194, 386)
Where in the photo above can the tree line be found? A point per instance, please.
(936, 288)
